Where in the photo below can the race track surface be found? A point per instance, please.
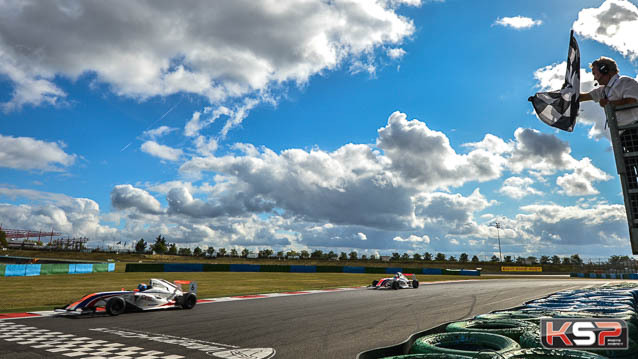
(324, 325)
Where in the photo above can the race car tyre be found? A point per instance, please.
(374, 283)
(472, 344)
(415, 284)
(395, 285)
(542, 353)
(511, 328)
(115, 306)
(189, 300)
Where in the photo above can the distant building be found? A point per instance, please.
(385, 258)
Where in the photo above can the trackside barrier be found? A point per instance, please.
(196, 267)
(22, 270)
(605, 275)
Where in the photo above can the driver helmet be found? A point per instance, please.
(141, 287)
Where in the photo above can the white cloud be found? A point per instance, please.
(362, 236)
(164, 152)
(396, 53)
(414, 239)
(518, 187)
(26, 153)
(518, 22)
(127, 196)
(228, 52)
(579, 182)
(614, 23)
(158, 132)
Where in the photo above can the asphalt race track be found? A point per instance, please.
(324, 325)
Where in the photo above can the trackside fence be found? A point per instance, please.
(202, 267)
(22, 270)
(605, 275)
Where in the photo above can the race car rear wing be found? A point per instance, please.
(410, 274)
(192, 286)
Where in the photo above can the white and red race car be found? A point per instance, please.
(159, 294)
(399, 281)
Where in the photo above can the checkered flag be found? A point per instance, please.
(560, 108)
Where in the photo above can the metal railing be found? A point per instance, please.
(625, 146)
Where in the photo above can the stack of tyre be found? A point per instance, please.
(515, 333)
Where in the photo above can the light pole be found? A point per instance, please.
(498, 235)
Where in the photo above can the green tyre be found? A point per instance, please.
(511, 328)
(428, 356)
(471, 344)
(542, 353)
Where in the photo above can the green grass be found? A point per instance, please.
(20, 294)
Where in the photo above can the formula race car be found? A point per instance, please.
(158, 294)
(399, 281)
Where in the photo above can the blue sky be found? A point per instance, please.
(395, 125)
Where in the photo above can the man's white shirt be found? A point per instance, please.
(618, 88)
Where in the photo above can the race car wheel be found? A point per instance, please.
(189, 300)
(115, 306)
(374, 283)
(395, 285)
(415, 284)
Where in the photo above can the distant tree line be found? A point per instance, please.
(161, 246)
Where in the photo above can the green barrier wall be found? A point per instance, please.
(1, 270)
(55, 268)
(274, 268)
(379, 270)
(100, 267)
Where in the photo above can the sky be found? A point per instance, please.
(374, 126)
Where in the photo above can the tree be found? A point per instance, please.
(353, 255)
(544, 259)
(160, 246)
(533, 260)
(222, 252)
(3, 239)
(405, 256)
(197, 252)
(245, 252)
(280, 254)
(520, 260)
(304, 254)
(566, 260)
(317, 254)
(233, 252)
(416, 256)
(331, 255)
(440, 257)
(396, 256)
(140, 247)
(266, 253)
(427, 256)
(475, 259)
(463, 258)
(452, 259)
(575, 259)
(184, 252)
(210, 251)
(364, 257)
(292, 253)
(494, 259)
(555, 259)
(173, 249)
(343, 256)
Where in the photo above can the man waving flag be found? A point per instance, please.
(559, 108)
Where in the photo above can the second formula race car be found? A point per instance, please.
(398, 281)
(158, 294)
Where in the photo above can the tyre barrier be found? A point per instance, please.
(472, 344)
(513, 314)
(511, 328)
(429, 356)
(542, 353)
(619, 303)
